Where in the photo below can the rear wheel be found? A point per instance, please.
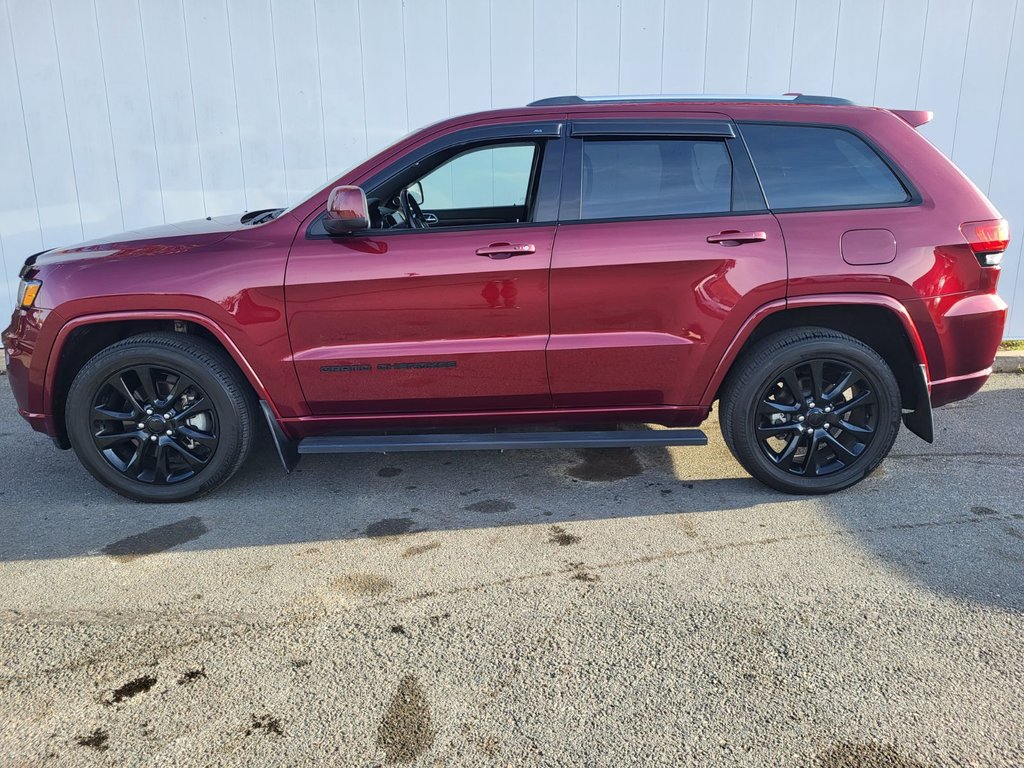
(810, 410)
(160, 417)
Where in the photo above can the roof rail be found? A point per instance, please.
(788, 98)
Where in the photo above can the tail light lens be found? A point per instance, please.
(988, 240)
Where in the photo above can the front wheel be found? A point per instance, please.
(160, 417)
(810, 410)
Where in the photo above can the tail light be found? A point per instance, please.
(988, 240)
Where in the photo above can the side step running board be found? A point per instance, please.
(499, 441)
(290, 451)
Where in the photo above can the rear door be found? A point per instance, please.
(664, 247)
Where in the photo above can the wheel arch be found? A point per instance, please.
(81, 338)
(879, 321)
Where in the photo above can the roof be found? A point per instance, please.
(786, 98)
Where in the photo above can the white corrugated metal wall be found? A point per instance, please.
(116, 114)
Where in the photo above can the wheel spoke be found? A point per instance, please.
(785, 459)
(811, 460)
(104, 441)
(841, 386)
(118, 383)
(793, 384)
(857, 429)
(771, 406)
(843, 453)
(817, 379)
(145, 375)
(776, 429)
(205, 439)
(181, 386)
(193, 409)
(193, 460)
(109, 414)
(867, 397)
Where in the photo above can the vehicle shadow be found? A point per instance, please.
(947, 515)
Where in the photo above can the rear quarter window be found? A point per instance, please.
(802, 166)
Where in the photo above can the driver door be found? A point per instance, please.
(448, 318)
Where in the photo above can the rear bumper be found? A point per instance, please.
(958, 387)
(967, 332)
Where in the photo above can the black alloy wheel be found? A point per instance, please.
(161, 417)
(154, 424)
(817, 418)
(810, 410)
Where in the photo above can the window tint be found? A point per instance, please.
(655, 177)
(811, 167)
(482, 178)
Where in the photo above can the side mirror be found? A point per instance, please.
(347, 211)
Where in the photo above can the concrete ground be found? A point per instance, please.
(536, 608)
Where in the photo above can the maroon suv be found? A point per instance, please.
(817, 267)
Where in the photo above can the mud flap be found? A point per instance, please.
(287, 450)
(919, 420)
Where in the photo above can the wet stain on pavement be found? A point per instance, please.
(388, 472)
(157, 539)
(491, 506)
(983, 511)
(264, 724)
(362, 584)
(96, 740)
(688, 528)
(579, 572)
(189, 677)
(606, 464)
(406, 731)
(392, 526)
(562, 537)
(865, 756)
(420, 549)
(132, 688)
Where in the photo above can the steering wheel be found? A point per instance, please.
(412, 211)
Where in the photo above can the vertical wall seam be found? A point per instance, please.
(664, 21)
(234, 90)
(1002, 100)
(792, 44)
(320, 85)
(277, 90)
(67, 121)
(195, 117)
(878, 57)
(835, 46)
(920, 63)
(960, 89)
(106, 103)
(24, 123)
(152, 115)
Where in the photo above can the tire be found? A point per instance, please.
(823, 439)
(199, 431)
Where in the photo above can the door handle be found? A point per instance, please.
(505, 250)
(732, 237)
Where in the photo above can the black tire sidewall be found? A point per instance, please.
(79, 421)
(742, 436)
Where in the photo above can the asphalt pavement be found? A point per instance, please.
(605, 608)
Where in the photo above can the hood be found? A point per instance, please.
(162, 239)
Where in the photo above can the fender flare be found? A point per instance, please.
(50, 378)
(918, 421)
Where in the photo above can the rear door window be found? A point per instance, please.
(802, 166)
(636, 178)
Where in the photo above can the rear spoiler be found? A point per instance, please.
(916, 117)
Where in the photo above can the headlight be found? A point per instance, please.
(27, 292)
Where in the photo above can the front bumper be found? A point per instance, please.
(24, 372)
